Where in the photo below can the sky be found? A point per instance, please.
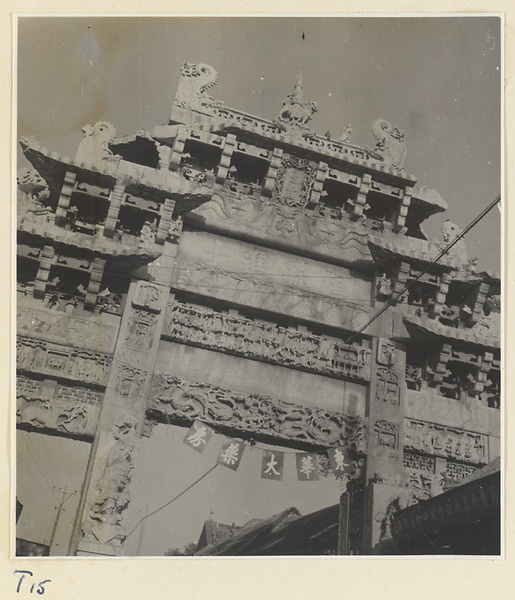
(438, 79)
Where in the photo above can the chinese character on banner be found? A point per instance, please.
(230, 454)
(198, 436)
(307, 466)
(272, 465)
(340, 460)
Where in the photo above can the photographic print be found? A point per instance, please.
(258, 286)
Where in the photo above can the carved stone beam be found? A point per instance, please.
(360, 204)
(64, 199)
(273, 169)
(225, 161)
(167, 209)
(114, 209)
(178, 149)
(97, 271)
(47, 256)
(318, 185)
(441, 295)
(400, 222)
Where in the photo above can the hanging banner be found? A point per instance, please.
(340, 460)
(272, 465)
(307, 466)
(198, 436)
(230, 454)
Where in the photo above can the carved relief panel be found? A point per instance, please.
(294, 181)
(266, 341)
(42, 357)
(260, 415)
(446, 442)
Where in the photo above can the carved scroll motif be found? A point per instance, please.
(38, 356)
(294, 181)
(104, 521)
(446, 442)
(254, 413)
(272, 343)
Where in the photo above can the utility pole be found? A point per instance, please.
(60, 509)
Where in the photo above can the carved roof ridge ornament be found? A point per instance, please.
(296, 112)
(94, 147)
(390, 146)
(195, 79)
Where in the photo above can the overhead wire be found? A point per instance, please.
(435, 260)
(172, 500)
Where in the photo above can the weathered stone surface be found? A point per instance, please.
(61, 361)
(446, 442)
(261, 416)
(65, 416)
(259, 340)
(97, 332)
(473, 416)
(109, 496)
(262, 220)
(272, 280)
(256, 377)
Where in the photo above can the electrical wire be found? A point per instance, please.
(172, 500)
(425, 270)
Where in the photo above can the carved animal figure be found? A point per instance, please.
(390, 143)
(191, 91)
(450, 232)
(45, 413)
(94, 146)
(295, 110)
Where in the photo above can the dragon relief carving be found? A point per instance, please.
(175, 397)
(390, 144)
(194, 81)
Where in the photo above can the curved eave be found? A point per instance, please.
(425, 330)
(157, 184)
(96, 246)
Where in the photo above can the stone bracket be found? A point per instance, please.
(47, 257)
(64, 199)
(114, 209)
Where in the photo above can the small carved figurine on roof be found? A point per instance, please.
(191, 91)
(94, 148)
(450, 231)
(32, 206)
(296, 112)
(347, 133)
(390, 144)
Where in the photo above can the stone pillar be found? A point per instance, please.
(105, 496)
(384, 464)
